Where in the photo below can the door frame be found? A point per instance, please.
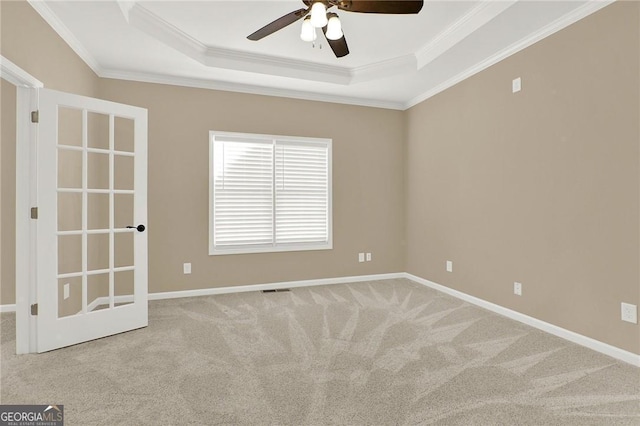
(26, 196)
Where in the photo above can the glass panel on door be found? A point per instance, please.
(124, 134)
(70, 127)
(97, 292)
(69, 168)
(97, 130)
(123, 165)
(123, 287)
(69, 296)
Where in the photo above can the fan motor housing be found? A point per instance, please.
(342, 4)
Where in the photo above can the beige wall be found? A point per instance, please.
(540, 187)
(28, 41)
(7, 192)
(367, 184)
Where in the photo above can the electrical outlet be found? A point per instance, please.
(517, 288)
(629, 313)
(449, 266)
(360, 257)
(516, 85)
(186, 268)
(368, 257)
(66, 291)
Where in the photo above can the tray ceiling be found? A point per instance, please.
(395, 62)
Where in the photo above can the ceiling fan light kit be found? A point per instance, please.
(316, 16)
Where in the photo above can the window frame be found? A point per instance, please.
(272, 247)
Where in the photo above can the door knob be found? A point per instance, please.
(140, 228)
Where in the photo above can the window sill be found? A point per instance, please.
(269, 249)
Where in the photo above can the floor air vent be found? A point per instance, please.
(277, 290)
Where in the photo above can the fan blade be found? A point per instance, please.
(339, 46)
(278, 24)
(397, 7)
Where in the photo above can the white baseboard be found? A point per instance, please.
(8, 308)
(571, 336)
(273, 286)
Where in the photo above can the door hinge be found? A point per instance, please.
(34, 212)
(34, 309)
(35, 116)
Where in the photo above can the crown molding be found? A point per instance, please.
(54, 22)
(460, 29)
(282, 67)
(382, 69)
(161, 30)
(248, 89)
(557, 25)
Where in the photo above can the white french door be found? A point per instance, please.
(91, 256)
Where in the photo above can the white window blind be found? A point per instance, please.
(269, 193)
(302, 193)
(243, 193)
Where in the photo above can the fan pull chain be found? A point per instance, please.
(313, 43)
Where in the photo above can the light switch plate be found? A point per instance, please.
(360, 257)
(186, 268)
(368, 257)
(449, 266)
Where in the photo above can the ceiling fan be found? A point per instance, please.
(316, 16)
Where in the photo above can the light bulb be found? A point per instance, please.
(334, 28)
(308, 33)
(318, 15)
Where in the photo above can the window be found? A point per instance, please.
(269, 193)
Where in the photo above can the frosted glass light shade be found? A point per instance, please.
(308, 33)
(334, 28)
(318, 15)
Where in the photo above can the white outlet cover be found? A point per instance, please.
(629, 313)
(360, 257)
(517, 288)
(368, 257)
(449, 266)
(516, 85)
(186, 268)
